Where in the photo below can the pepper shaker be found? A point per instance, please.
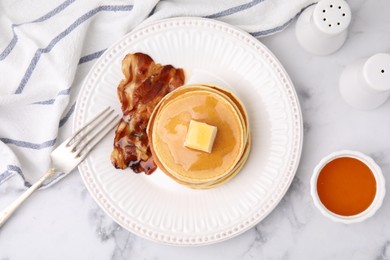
(322, 28)
(365, 84)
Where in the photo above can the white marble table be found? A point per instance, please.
(63, 221)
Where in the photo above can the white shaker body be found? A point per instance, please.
(365, 84)
(322, 28)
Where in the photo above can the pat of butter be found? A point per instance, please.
(200, 136)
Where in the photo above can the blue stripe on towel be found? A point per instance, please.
(5, 175)
(91, 56)
(74, 25)
(54, 11)
(280, 27)
(63, 92)
(11, 170)
(10, 46)
(14, 168)
(45, 102)
(235, 9)
(29, 145)
(14, 39)
(273, 30)
(68, 114)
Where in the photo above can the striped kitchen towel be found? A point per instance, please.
(47, 48)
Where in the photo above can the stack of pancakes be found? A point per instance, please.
(168, 126)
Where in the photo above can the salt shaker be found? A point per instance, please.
(365, 84)
(322, 28)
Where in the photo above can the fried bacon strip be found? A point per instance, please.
(145, 84)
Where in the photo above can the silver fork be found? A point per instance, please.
(69, 154)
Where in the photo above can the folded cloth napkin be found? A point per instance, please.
(47, 48)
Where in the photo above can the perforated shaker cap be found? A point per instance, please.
(332, 16)
(376, 71)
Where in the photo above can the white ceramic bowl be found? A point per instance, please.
(380, 187)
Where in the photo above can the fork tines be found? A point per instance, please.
(85, 139)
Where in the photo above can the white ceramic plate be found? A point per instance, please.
(157, 208)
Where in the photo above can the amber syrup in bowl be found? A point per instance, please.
(347, 186)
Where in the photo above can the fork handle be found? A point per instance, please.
(7, 212)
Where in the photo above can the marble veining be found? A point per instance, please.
(63, 221)
(383, 254)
